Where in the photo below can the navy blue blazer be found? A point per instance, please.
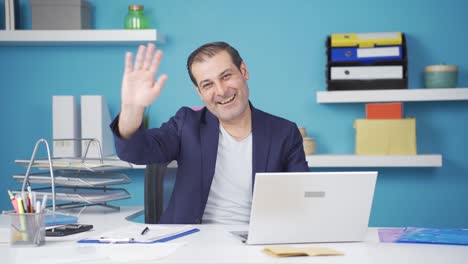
(191, 138)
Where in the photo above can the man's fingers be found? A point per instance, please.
(149, 56)
(158, 85)
(139, 57)
(156, 61)
(128, 62)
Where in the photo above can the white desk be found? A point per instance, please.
(214, 244)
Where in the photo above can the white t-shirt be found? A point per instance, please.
(230, 195)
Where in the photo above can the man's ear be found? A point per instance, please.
(244, 71)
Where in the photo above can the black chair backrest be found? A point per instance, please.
(154, 192)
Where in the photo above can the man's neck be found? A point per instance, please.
(241, 127)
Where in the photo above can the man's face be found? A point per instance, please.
(222, 86)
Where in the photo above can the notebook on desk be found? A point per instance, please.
(310, 207)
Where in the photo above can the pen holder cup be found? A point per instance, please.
(27, 229)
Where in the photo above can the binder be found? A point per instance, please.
(393, 55)
(382, 84)
(366, 40)
(65, 125)
(95, 120)
(366, 55)
(14, 14)
(366, 72)
(7, 15)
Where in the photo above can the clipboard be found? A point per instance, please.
(129, 240)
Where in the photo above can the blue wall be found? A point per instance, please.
(282, 43)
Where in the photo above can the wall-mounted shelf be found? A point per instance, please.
(71, 37)
(348, 161)
(342, 161)
(397, 95)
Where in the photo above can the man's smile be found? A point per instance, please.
(228, 100)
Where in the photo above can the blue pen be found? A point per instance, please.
(191, 231)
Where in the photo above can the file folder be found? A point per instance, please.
(95, 120)
(366, 40)
(65, 125)
(366, 72)
(366, 55)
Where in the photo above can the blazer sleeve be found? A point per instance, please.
(296, 161)
(154, 145)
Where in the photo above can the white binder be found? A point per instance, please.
(366, 72)
(95, 120)
(65, 125)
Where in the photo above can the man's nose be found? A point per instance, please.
(221, 89)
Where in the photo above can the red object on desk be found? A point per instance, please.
(384, 111)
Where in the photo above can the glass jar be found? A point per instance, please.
(136, 18)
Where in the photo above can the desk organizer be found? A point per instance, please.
(74, 182)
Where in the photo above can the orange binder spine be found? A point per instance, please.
(384, 111)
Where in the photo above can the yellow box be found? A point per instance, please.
(366, 40)
(385, 136)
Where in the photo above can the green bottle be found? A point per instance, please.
(136, 18)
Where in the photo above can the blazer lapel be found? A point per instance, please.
(209, 137)
(260, 142)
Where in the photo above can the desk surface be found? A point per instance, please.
(214, 244)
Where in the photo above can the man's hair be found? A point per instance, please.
(209, 50)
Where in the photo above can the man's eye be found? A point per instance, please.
(227, 76)
(207, 86)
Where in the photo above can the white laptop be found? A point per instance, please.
(310, 207)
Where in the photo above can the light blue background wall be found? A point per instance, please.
(283, 45)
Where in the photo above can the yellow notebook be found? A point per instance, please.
(385, 136)
(366, 40)
(290, 251)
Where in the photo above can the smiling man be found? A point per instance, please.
(218, 148)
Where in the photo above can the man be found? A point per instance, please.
(218, 148)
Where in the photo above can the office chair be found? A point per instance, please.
(154, 191)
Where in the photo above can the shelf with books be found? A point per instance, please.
(75, 37)
(392, 95)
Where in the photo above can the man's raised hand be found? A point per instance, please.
(139, 89)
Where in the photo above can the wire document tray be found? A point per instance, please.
(77, 181)
(83, 196)
(92, 165)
